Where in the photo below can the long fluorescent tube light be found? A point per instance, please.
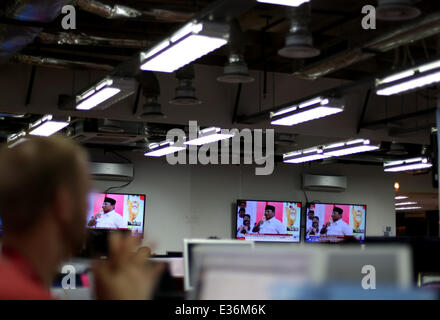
(418, 77)
(306, 111)
(407, 165)
(400, 197)
(209, 135)
(188, 44)
(164, 148)
(47, 126)
(350, 147)
(302, 156)
(408, 208)
(16, 138)
(105, 93)
(290, 3)
(405, 203)
(339, 149)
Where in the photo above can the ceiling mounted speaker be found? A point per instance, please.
(299, 46)
(396, 10)
(236, 71)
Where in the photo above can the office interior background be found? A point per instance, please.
(273, 57)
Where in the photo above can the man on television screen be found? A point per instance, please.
(109, 218)
(269, 224)
(336, 226)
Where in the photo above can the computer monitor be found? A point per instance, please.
(273, 221)
(109, 211)
(334, 222)
(190, 244)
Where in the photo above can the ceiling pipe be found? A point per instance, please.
(59, 63)
(14, 38)
(101, 9)
(409, 33)
(64, 38)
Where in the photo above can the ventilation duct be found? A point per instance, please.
(236, 70)
(116, 11)
(299, 40)
(396, 10)
(185, 91)
(151, 92)
(64, 38)
(59, 63)
(14, 38)
(406, 33)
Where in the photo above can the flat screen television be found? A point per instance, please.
(334, 222)
(110, 211)
(273, 221)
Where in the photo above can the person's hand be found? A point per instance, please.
(125, 275)
(92, 222)
(260, 222)
(328, 224)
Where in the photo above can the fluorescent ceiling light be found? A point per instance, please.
(407, 165)
(187, 45)
(411, 79)
(209, 135)
(306, 111)
(16, 138)
(332, 150)
(302, 156)
(290, 3)
(401, 197)
(408, 208)
(48, 126)
(405, 203)
(164, 148)
(350, 147)
(105, 93)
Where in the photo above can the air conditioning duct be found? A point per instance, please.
(111, 171)
(311, 182)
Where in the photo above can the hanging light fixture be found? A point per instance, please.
(105, 93)
(396, 10)
(419, 163)
(188, 44)
(209, 135)
(299, 40)
(312, 109)
(48, 125)
(410, 79)
(185, 91)
(236, 69)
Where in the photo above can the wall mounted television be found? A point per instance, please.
(122, 211)
(271, 221)
(335, 222)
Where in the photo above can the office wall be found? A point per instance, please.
(196, 201)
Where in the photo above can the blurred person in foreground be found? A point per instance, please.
(43, 202)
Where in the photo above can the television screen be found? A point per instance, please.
(332, 222)
(276, 221)
(116, 211)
